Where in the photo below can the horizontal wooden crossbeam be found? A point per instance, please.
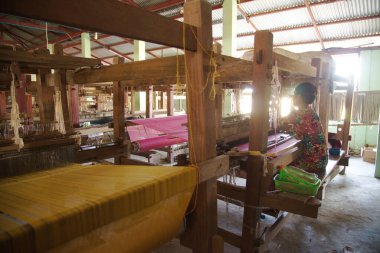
(106, 16)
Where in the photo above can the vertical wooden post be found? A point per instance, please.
(118, 106)
(161, 100)
(219, 111)
(238, 93)
(21, 95)
(3, 103)
(149, 102)
(202, 223)
(62, 86)
(347, 116)
(74, 105)
(133, 100)
(324, 99)
(258, 138)
(118, 109)
(170, 100)
(45, 97)
(126, 98)
(317, 63)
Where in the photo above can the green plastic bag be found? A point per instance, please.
(295, 180)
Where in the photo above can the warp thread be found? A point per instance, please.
(15, 115)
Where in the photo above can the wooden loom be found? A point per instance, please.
(201, 234)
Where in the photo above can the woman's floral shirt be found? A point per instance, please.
(307, 128)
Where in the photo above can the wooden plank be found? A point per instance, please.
(213, 168)
(170, 100)
(230, 238)
(100, 153)
(294, 66)
(276, 227)
(36, 60)
(3, 103)
(233, 192)
(149, 102)
(293, 203)
(347, 117)
(45, 98)
(202, 222)
(127, 21)
(62, 86)
(283, 159)
(130, 161)
(118, 106)
(258, 138)
(324, 101)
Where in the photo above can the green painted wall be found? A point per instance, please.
(369, 79)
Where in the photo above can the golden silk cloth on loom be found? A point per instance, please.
(94, 208)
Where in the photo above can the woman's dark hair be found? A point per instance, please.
(307, 91)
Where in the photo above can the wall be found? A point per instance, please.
(369, 80)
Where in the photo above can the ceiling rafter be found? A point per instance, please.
(113, 50)
(247, 18)
(311, 15)
(15, 37)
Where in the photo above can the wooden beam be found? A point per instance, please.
(164, 70)
(213, 168)
(347, 117)
(202, 222)
(324, 98)
(170, 100)
(118, 106)
(100, 153)
(36, 60)
(127, 21)
(133, 101)
(258, 138)
(149, 102)
(62, 86)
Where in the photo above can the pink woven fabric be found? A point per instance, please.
(158, 132)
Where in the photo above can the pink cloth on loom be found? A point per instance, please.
(158, 132)
(174, 126)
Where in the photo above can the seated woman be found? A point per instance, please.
(307, 128)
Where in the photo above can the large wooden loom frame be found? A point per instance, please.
(201, 234)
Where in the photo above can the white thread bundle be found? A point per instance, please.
(58, 115)
(15, 116)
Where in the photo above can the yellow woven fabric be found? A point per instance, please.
(41, 211)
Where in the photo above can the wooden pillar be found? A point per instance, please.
(238, 97)
(61, 85)
(170, 100)
(219, 111)
(21, 95)
(133, 100)
(149, 102)
(74, 105)
(45, 95)
(324, 98)
(118, 106)
(3, 103)
(258, 138)
(161, 106)
(202, 222)
(347, 116)
(126, 99)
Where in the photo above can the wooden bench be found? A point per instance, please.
(336, 164)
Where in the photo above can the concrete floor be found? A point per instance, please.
(349, 216)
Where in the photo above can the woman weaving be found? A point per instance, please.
(307, 127)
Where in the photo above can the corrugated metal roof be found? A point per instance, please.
(243, 27)
(351, 29)
(342, 10)
(254, 7)
(110, 40)
(294, 36)
(345, 43)
(145, 3)
(101, 52)
(303, 47)
(124, 48)
(245, 42)
(284, 19)
(217, 30)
